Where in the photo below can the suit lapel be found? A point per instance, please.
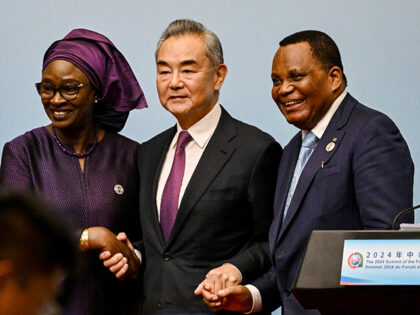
(333, 134)
(217, 153)
(284, 177)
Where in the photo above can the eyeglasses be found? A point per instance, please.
(68, 91)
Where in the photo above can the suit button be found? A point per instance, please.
(167, 256)
(160, 303)
(287, 293)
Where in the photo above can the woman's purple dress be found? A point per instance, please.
(91, 198)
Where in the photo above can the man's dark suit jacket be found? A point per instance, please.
(366, 180)
(224, 215)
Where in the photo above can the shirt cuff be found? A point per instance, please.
(138, 254)
(256, 299)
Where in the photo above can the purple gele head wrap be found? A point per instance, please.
(107, 70)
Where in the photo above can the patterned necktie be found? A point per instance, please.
(170, 195)
(308, 145)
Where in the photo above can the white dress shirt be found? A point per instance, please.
(318, 130)
(201, 133)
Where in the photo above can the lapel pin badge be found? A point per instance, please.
(119, 190)
(330, 146)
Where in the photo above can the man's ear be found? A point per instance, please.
(336, 76)
(221, 73)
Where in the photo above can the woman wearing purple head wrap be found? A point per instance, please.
(81, 165)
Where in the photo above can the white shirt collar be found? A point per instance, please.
(322, 125)
(202, 130)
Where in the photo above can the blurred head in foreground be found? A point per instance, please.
(36, 250)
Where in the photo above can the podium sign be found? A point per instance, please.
(317, 285)
(381, 262)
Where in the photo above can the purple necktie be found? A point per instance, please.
(170, 196)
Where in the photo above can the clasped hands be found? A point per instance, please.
(116, 252)
(221, 289)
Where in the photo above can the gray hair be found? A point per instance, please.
(182, 27)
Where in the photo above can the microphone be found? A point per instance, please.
(401, 213)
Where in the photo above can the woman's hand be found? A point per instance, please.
(116, 252)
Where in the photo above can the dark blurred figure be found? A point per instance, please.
(36, 251)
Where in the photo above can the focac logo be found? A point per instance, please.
(355, 260)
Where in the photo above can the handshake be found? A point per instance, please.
(221, 289)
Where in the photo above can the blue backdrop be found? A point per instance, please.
(379, 42)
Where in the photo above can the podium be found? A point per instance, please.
(317, 285)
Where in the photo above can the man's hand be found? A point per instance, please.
(117, 251)
(212, 300)
(220, 278)
(236, 298)
(217, 279)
